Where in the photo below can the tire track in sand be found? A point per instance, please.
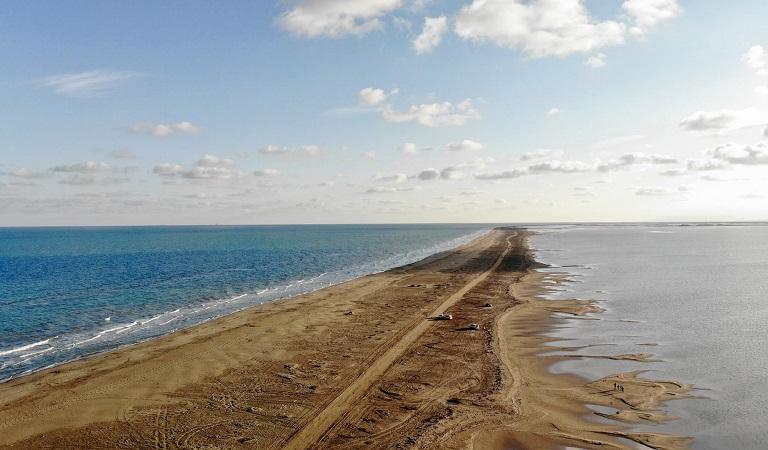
(314, 430)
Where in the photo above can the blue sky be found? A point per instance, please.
(255, 112)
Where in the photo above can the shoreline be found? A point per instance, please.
(352, 365)
(285, 291)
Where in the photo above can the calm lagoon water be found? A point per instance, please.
(700, 292)
(68, 292)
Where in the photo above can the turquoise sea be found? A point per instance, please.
(69, 292)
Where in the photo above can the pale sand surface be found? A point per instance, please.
(356, 365)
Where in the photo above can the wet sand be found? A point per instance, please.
(356, 365)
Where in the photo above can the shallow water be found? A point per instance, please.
(701, 293)
(68, 292)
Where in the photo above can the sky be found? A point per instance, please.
(382, 111)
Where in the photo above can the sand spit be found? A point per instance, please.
(356, 365)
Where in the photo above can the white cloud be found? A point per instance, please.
(212, 167)
(371, 96)
(336, 18)
(395, 178)
(700, 165)
(649, 13)
(635, 158)
(553, 111)
(543, 168)
(465, 145)
(202, 173)
(558, 167)
(428, 174)
(541, 153)
(85, 84)
(27, 173)
(756, 59)
(163, 130)
(369, 155)
(266, 173)
(722, 157)
(402, 24)
(431, 35)
(708, 120)
(409, 148)
(86, 167)
(596, 61)
(743, 154)
(209, 167)
(539, 28)
(209, 160)
(306, 150)
(504, 175)
(451, 173)
(168, 170)
(723, 121)
(435, 115)
(387, 190)
(761, 89)
(186, 127)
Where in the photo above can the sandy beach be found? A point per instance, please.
(356, 365)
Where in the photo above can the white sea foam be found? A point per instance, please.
(37, 353)
(151, 320)
(25, 347)
(318, 277)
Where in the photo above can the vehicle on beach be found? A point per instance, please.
(488, 305)
(443, 316)
(473, 326)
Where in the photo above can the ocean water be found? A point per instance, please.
(69, 292)
(700, 292)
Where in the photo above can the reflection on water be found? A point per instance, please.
(700, 293)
